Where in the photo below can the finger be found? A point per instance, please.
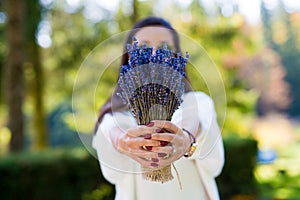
(162, 151)
(140, 160)
(140, 152)
(140, 130)
(139, 142)
(147, 162)
(165, 162)
(170, 158)
(163, 137)
(145, 154)
(153, 155)
(166, 125)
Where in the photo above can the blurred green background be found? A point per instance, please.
(254, 44)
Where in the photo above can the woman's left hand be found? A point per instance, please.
(170, 135)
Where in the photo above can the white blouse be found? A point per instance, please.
(197, 173)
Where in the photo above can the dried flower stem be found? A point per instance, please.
(152, 86)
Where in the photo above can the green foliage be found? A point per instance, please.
(220, 39)
(288, 48)
(237, 177)
(55, 174)
(105, 192)
(280, 179)
(75, 174)
(73, 38)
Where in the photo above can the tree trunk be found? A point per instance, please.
(40, 140)
(36, 82)
(14, 75)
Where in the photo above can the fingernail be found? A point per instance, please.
(159, 130)
(155, 160)
(163, 143)
(147, 136)
(150, 124)
(154, 164)
(161, 155)
(149, 148)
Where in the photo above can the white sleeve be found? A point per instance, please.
(114, 165)
(198, 108)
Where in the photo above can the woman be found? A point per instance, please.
(119, 141)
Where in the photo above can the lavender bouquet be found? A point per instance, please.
(152, 85)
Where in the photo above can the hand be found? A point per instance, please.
(156, 145)
(172, 136)
(136, 144)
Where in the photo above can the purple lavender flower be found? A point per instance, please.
(152, 84)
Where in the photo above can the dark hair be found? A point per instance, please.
(149, 21)
(114, 99)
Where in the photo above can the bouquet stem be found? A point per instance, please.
(158, 175)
